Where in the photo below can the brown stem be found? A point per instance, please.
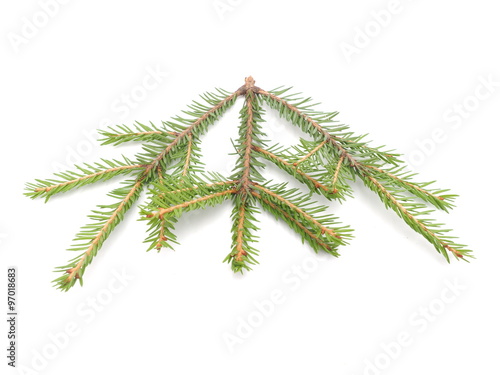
(312, 152)
(336, 176)
(247, 144)
(160, 174)
(297, 209)
(248, 86)
(161, 236)
(188, 155)
(245, 180)
(240, 251)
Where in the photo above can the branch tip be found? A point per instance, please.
(249, 82)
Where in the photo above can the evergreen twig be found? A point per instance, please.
(170, 165)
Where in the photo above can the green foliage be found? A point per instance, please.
(91, 236)
(87, 174)
(170, 169)
(180, 196)
(304, 216)
(139, 133)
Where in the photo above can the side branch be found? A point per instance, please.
(423, 229)
(326, 135)
(161, 236)
(87, 177)
(403, 182)
(198, 187)
(75, 272)
(298, 210)
(188, 155)
(312, 236)
(276, 159)
(240, 251)
(247, 157)
(243, 211)
(312, 152)
(337, 172)
(167, 210)
(143, 133)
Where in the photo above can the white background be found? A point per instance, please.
(175, 311)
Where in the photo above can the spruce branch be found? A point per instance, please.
(140, 133)
(314, 240)
(300, 206)
(92, 236)
(292, 169)
(170, 169)
(246, 171)
(87, 174)
(408, 211)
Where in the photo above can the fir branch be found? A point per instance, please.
(333, 181)
(247, 142)
(171, 198)
(410, 212)
(242, 253)
(88, 174)
(310, 121)
(243, 216)
(162, 219)
(297, 204)
(140, 133)
(292, 169)
(170, 165)
(92, 236)
(96, 234)
(361, 168)
(314, 240)
(196, 202)
(197, 187)
(399, 177)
